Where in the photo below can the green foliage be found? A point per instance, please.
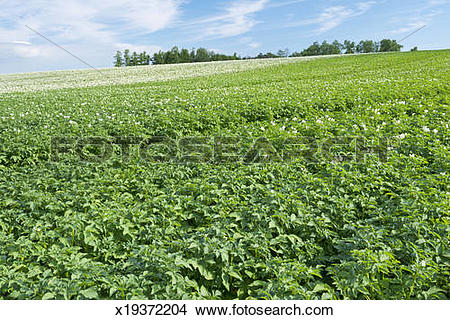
(174, 55)
(171, 56)
(298, 230)
(349, 47)
(389, 45)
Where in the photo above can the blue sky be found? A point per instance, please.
(94, 30)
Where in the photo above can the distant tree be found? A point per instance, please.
(324, 48)
(267, 55)
(185, 56)
(414, 49)
(366, 46)
(360, 47)
(141, 59)
(312, 50)
(330, 48)
(172, 56)
(144, 59)
(134, 59)
(192, 55)
(201, 55)
(283, 53)
(337, 47)
(349, 47)
(389, 45)
(127, 58)
(118, 59)
(296, 54)
(158, 58)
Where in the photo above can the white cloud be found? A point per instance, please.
(410, 27)
(34, 51)
(334, 16)
(424, 16)
(250, 42)
(254, 45)
(17, 42)
(88, 27)
(237, 18)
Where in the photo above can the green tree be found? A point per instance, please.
(184, 56)
(118, 59)
(349, 46)
(312, 50)
(134, 59)
(144, 58)
(389, 45)
(127, 58)
(330, 48)
(172, 56)
(192, 55)
(283, 53)
(201, 55)
(337, 47)
(158, 58)
(366, 46)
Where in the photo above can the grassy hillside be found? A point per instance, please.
(318, 225)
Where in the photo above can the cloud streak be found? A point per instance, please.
(334, 16)
(423, 16)
(238, 18)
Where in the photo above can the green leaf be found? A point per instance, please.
(90, 293)
(48, 296)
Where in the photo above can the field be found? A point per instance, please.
(310, 227)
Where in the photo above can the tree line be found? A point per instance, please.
(347, 47)
(176, 55)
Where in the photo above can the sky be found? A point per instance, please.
(94, 30)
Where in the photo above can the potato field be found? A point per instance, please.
(321, 178)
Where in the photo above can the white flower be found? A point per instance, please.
(435, 131)
(426, 129)
(262, 129)
(423, 263)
